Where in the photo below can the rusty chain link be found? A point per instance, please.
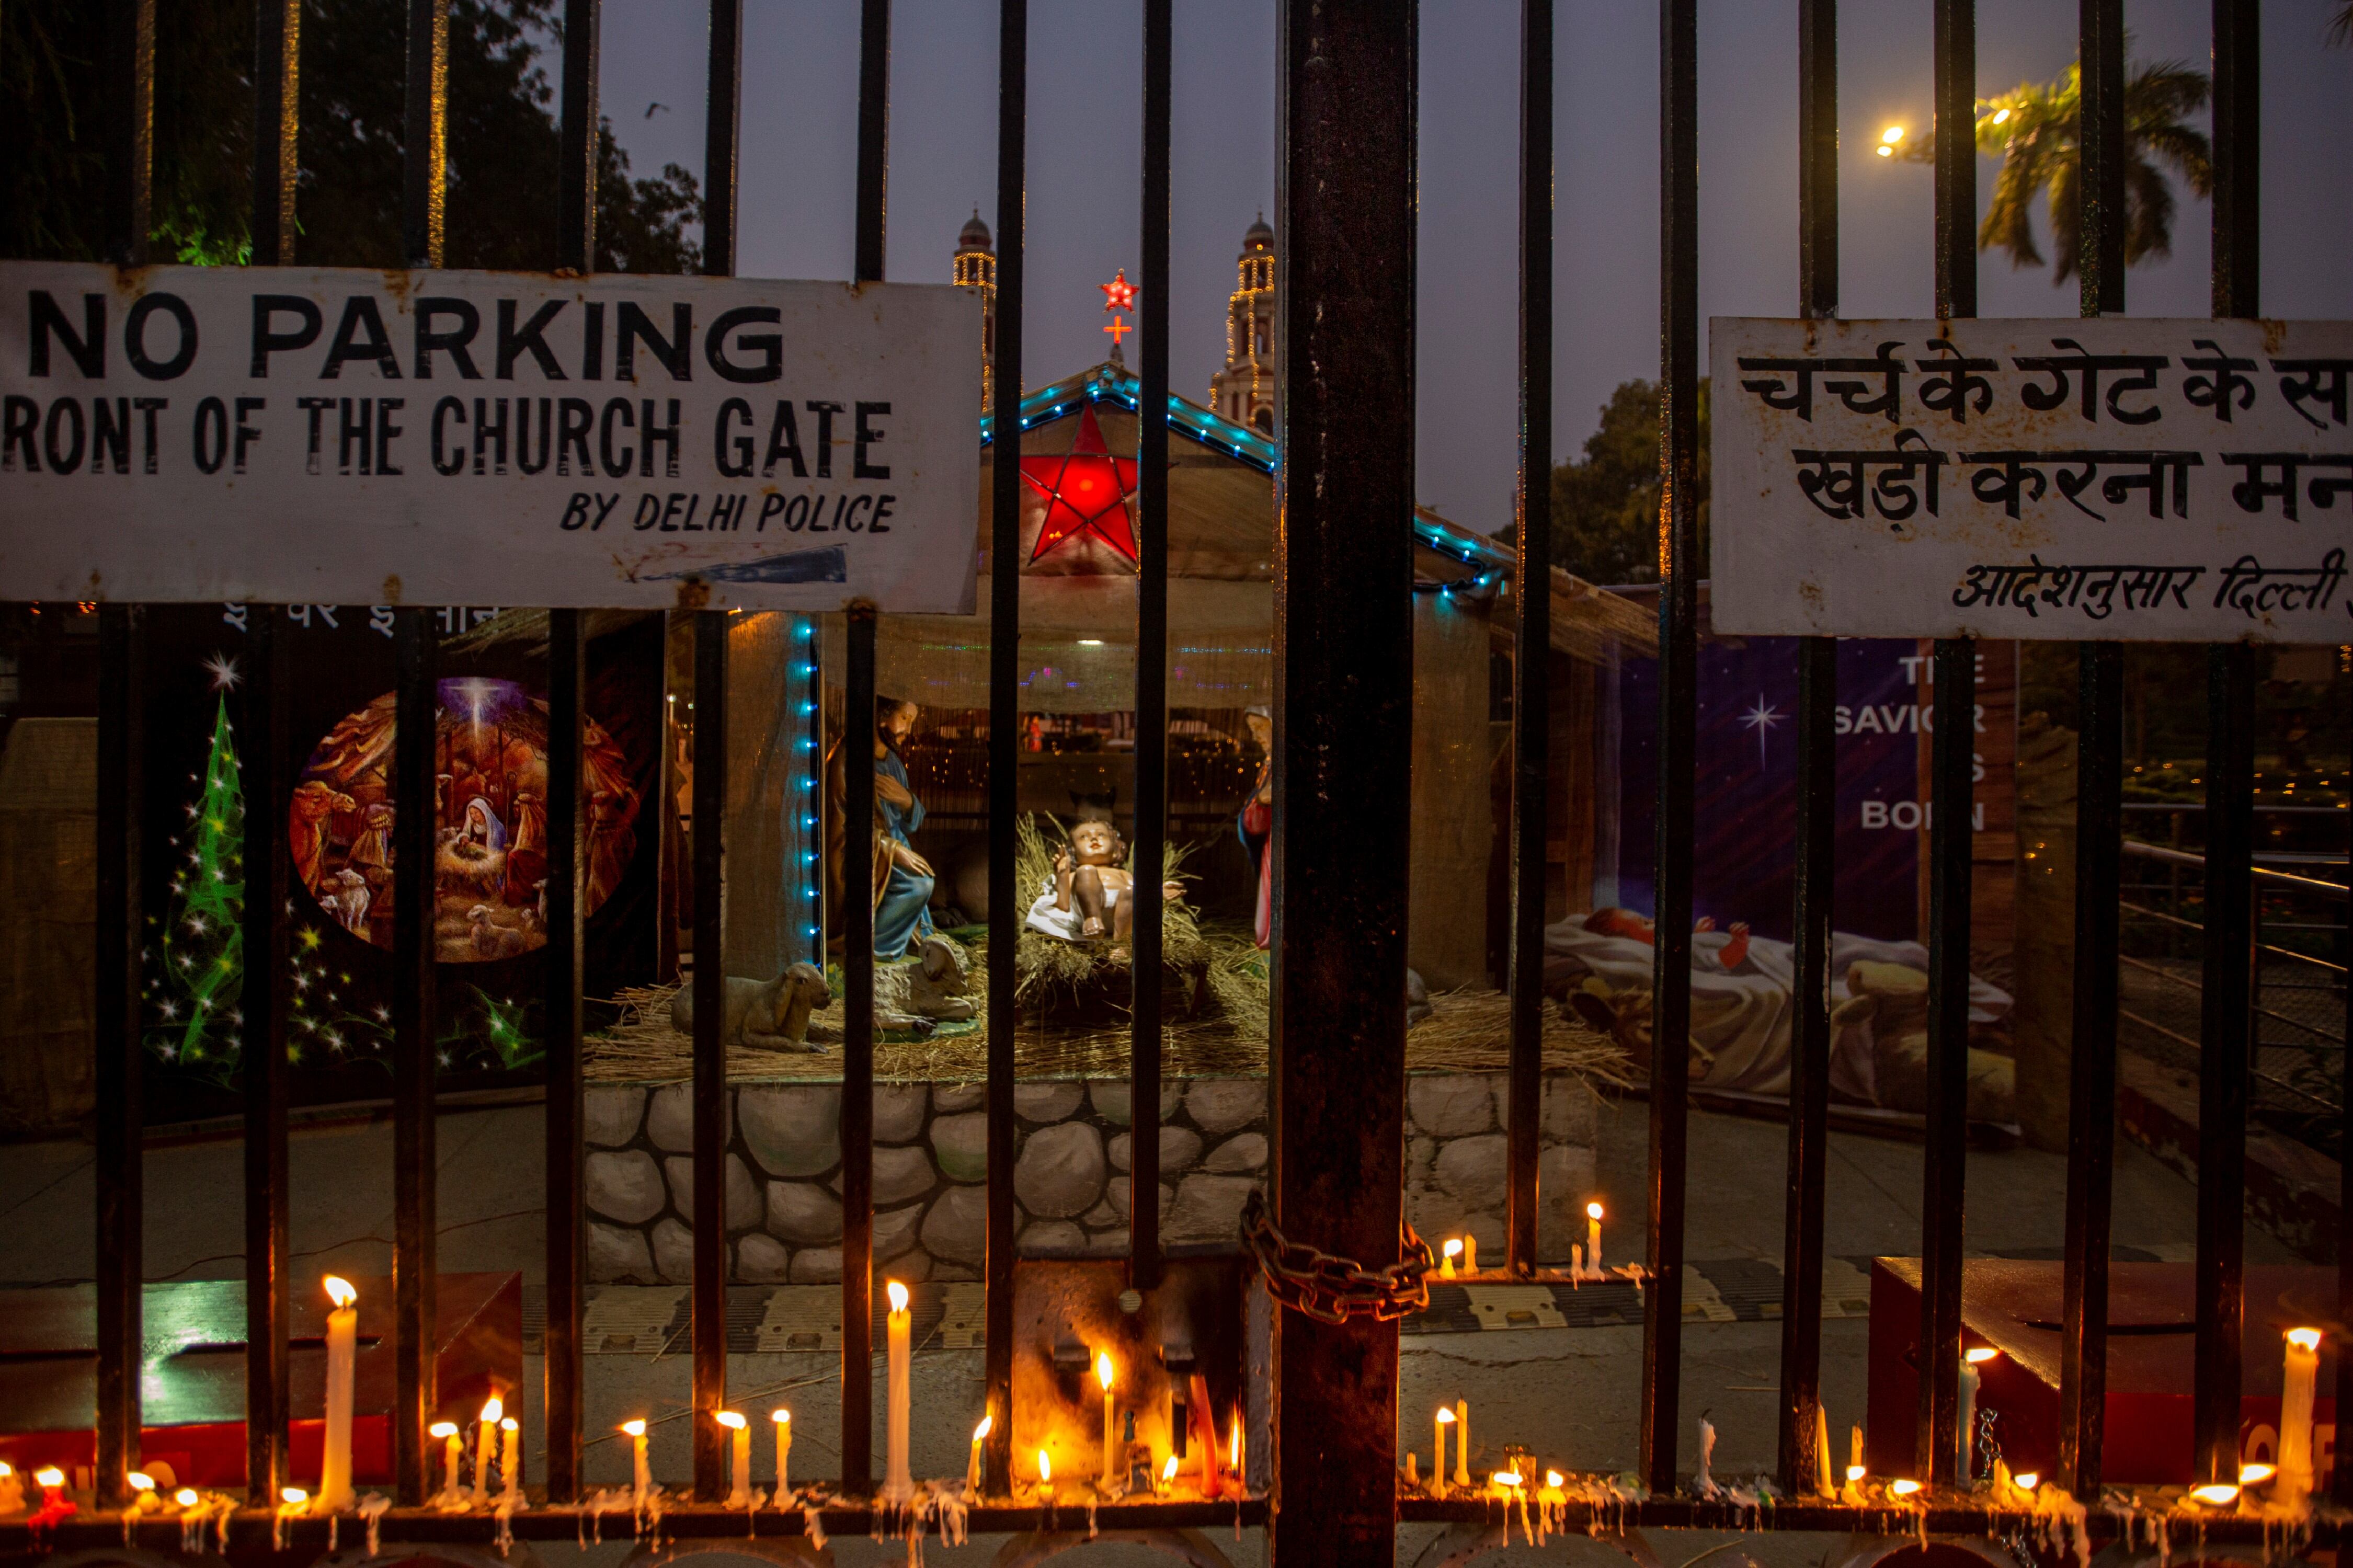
(1334, 1290)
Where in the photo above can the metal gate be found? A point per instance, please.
(1347, 209)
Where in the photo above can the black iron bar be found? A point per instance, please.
(1944, 1159)
(722, 121)
(1809, 1034)
(862, 835)
(861, 856)
(129, 133)
(1151, 662)
(425, 164)
(416, 751)
(576, 179)
(709, 1291)
(2226, 1024)
(566, 1233)
(567, 648)
(1943, 1167)
(2092, 1072)
(873, 137)
(1532, 638)
(277, 123)
(120, 1217)
(1678, 702)
(2099, 829)
(1343, 729)
(1003, 721)
(262, 1045)
(122, 1115)
(2226, 1031)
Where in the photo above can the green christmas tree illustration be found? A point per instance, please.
(195, 969)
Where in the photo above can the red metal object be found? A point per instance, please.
(2017, 1308)
(194, 1373)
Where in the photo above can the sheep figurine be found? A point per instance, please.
(762, 1014)
(491, 941)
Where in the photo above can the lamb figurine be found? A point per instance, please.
(762, 1014)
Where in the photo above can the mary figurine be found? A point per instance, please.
(901, 879)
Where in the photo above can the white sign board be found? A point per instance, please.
(2177, 480)
(344, 437)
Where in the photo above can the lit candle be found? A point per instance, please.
(1452, 1250)
(1168, 1471)
(486, 1436)
(1045, 1476)
(1438, 1450)
(1461, 1442)
(12, 1489)
(511, 1458)
(342, 1344)
(143, 1492)
(2297, 1379)
(900, 1483)
(453, 1446)
(1111, 1427)
(52, 1483)
(972, 1466)
(1855, 1471)
(1971, 1360)
(641, 1483)
(784, 1420)
(1241, 1482)
(740, 1496)
(1593, 1241)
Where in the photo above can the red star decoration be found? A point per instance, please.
(1119, 294)
(1086, 490)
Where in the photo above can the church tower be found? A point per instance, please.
(1244, 391)
(975, 268)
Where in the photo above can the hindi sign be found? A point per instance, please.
(346, 436)
(2140, 481)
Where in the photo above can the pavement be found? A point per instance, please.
(1567, 1389)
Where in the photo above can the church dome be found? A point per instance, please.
(1258, 236)
(976, 233)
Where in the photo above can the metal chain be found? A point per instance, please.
(1334, 1290)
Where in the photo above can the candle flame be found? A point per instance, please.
(1593, 1211)
(1044, 1465)
(510, 1425)
(1904, 1488)
(50, 1477)
(2256, 1475)
(781, 1418)
(442, 1429)
(1453, 1247)
(140, 1482)
(1102, 1369)
(1508, 1478)
(338, 1291)
(1980, 1354)
(493, 1408)
(1553, 1479)
(1855, 1473)
(6, 1469)
(898, 1294)
(987, 1424)
(295, 1497)
(186, 1497)
(2026, 1481)
(2304, 1339)
(1234, 1449)
(1168, 1469)
(633, 1428)
(2216, 1494)
(728, 1419)
(1445, 1417)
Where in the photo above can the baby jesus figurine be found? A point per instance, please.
(1088, 895)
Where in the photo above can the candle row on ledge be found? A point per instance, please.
(1458, 1256)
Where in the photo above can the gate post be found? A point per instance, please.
(1343, 628)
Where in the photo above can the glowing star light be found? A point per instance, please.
(1119, 294)
(1086, 490)
(224, 671)
(1761, 718)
